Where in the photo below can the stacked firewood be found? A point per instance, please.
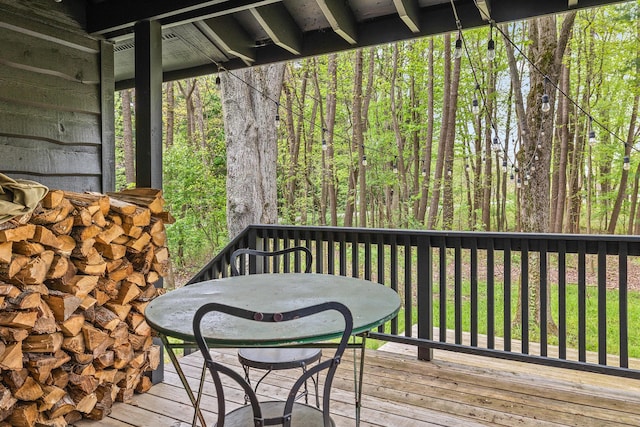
(75, 277)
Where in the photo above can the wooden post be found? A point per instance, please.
(148, 46)
(148, 78)
(425, 293)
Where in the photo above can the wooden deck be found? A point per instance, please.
(452, 390)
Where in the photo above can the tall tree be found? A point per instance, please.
(127, 133)
(546, 49)
(249, 103)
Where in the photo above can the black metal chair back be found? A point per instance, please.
(289, 411)
(240, 253)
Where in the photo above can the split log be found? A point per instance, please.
(40, 366)
(52, 199)
(17, 234)
(48, 343)
(6, 250)
(11, 358)
(18, 319)
(62, 304)
(29, 391)
(73, 325)
(62, 407)
(24, 414)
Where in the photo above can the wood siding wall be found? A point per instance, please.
(56, 97)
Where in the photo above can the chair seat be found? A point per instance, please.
(301, 416)
(278, 358)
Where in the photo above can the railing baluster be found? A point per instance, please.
(582, 302)
(343, 254)
(562, 300)
(524, 296)
(367, 257)
(394, 278)
(458, 289)
(507, 295)
(474, 293)
(355, 256)
(408, 288)
(544, 294)
(490, 295)
(602, 303)
(443, 291)
(623, 303)
(319, 258)
(331, 262)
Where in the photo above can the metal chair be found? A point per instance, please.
(274, 359)
(286, 413)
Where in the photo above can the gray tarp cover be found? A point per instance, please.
(19, 197)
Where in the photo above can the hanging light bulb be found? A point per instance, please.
(546, 106)
(424, 172)
(277, 119)
(592, 138)
(467, 167)
(364, 160)
(475, 107)
(395, 164)
(519, 183)
(491, 50)
(495, 144)
(449, 172)
(395, 168)
(504, 166)
(457, 53)
(536, 157)
(626, 165)
(218, 80)
(324, 140)
(512, 177)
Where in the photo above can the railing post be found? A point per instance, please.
(425, 292)
(255, 242)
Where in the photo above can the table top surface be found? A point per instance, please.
(371, 304)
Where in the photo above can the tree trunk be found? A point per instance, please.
(547, 47)
(622, 189)
(447, 194)
(357, 141)
(249, 101)
(424, 196)
(170, 114)
(127, 136)
(446, 99)
(332, 71)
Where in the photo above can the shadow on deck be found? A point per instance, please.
(453, 390)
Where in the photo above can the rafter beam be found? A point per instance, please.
(340, 18)
(225, 32)
(484, 6)
(280, 26)
(408, 11)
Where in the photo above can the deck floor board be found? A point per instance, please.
(399, 391)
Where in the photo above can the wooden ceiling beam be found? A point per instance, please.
(280, 26)
(484, 6)
(340, 18)
(228, 35)
(107, 18)
(409, 13)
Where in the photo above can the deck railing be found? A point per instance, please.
(471, 292)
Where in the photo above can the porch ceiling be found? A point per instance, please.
(201, 35)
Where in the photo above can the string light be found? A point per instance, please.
(546, 107)
(457, 53)
(626, 165)
(491, 45)
(592, 133)
(277, 115)
(504, 166)
(495, 145)
(395, 164)
(364, 160)
(324, 140)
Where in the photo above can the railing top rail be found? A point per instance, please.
(550, 242)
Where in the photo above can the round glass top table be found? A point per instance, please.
(371, 304)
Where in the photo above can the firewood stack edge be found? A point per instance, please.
(75, 277)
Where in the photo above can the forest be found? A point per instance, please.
(527, 126)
